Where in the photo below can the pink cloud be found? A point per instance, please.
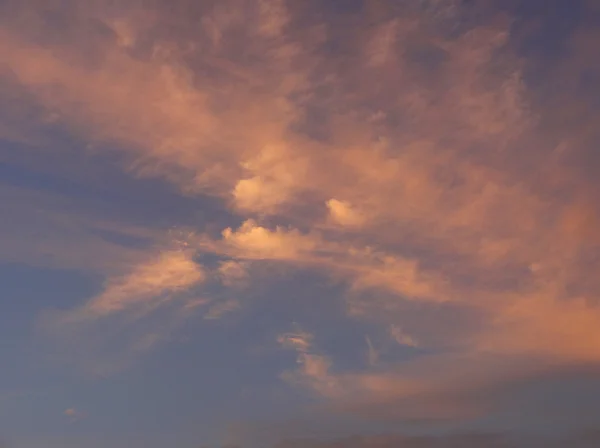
(429, 187)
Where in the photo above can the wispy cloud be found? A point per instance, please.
(50, 230)
(401, 337)
(219, 309)
(160, 284)
(170, 273)
(313, 368)
(147, 286)
(417, 166)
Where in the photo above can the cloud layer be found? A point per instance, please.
(413, 153)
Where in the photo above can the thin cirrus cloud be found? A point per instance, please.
(125, 303)
(169, 273)
(142, 308)
(49, 230)
(433, 178)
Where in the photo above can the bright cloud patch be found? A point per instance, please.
(342, 213)
(254, 241)
(170, 272)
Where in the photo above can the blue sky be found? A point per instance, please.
(299, 224)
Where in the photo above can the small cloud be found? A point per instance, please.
(195, 303)
(254, 241)
(401, 337)
(146, 342)
(381, 47)
(124, 33)
(300, 341)
(73, 414)
(233, 273)
(341, 212)
(145, 286)
(372, 354)
(256, 194)
(107, 332)
(273, 175)
(220, 309)
(172, 271)
(313, 369)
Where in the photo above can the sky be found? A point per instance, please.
(299, 224)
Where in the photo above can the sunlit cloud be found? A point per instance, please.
(415, 167)
(233, 273)
(342, 213)
(401, 337)
(313, 368)
(221, 308)
(143, 309)
(254, 241)
(146, 286)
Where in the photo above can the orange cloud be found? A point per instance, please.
(342, 213)
(254, 241)
(172, 272)
(430, 180)
(219, 309)
(401, 337)
(145, 286)
(161, 283)
(314, 369)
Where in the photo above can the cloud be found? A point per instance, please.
(233, 273)
(418, 165)
(73, 414)
(221, 308)
(110, 330)
(257, 242)
(372, 354)
(47, 229)
(275, 173)
(145, 286)
(342, 213)
(314, 368)
(401, 337)
(170, 273)
(300, 341)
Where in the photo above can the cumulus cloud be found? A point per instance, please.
(256, 242)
